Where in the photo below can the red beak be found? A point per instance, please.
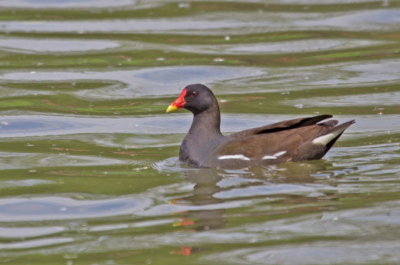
(178, 103)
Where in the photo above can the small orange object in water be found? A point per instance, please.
(183, 251)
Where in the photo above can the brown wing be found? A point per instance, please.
(256, 146)
(281, 126)
(288, 144)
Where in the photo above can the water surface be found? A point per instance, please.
(89, 172)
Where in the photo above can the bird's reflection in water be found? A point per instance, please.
(205, 187)
(201, 219)
(209, 184)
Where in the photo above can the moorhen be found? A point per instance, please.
(291, 140)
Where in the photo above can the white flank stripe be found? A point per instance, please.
(241, 157)
(279, 153)
(269, 157)
(325, 139)
(274, 156)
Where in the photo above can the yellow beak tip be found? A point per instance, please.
(171, 108)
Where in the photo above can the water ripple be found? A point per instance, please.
(36, 243)
(33, 160)
(339, 252)
(66, 4)
(249, 22)
(279, 47)
(28, 232)
(63, 208)
(143, 81)
(26, 45)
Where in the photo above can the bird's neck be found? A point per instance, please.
(206, 124)
(203, 136)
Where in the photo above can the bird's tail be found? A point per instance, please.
(329, 137)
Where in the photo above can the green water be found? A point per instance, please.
(89, 172)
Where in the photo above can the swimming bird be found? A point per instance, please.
(204, 145)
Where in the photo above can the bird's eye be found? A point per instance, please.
(194, 93)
